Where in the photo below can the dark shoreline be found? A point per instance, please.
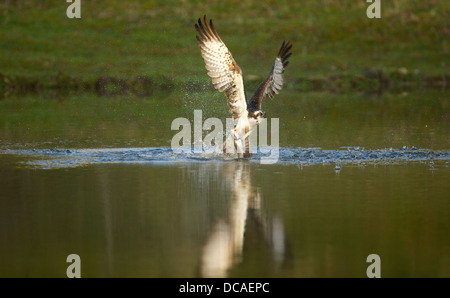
(372, 81)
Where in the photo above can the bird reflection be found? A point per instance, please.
(223, 248)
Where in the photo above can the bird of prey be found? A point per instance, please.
(227, 77)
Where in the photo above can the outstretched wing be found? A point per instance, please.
(225, 73)
(274, 82)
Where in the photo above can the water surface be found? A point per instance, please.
(95, 176)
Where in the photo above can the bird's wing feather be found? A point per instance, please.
(225, 73)
(274, 82)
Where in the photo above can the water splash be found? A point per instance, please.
(69, 158)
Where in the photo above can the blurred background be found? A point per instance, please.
(156, 39)
(123, 61)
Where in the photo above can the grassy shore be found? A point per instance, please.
(128, 45)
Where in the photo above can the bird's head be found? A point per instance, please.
(257, 115)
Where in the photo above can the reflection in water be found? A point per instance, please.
(162, 219)
(224, 246)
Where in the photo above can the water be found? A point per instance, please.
(68, 158)
(96, 177)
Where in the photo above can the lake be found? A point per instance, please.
(357, 174)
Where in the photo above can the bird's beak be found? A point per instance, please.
(263, 114)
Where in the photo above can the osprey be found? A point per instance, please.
(227, 77)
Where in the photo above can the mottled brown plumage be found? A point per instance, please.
(227, 77)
